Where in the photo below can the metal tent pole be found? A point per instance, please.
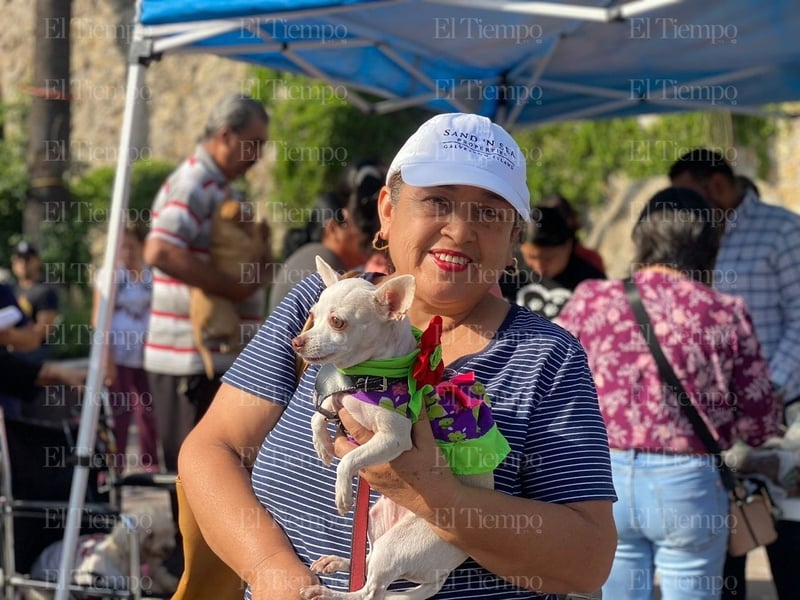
(140, 54)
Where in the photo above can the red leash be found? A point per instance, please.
(358, 556)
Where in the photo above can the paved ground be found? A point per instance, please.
(759, 578)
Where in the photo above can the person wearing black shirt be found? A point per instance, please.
(550, 268)
(37, 298)
(23, 376)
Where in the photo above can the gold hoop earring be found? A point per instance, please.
(376, 245)
(513, 268)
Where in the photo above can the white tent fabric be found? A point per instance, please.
(518, 62)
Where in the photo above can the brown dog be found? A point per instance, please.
(236, 239)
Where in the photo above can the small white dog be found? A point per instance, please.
(355, 321)
(103, 560)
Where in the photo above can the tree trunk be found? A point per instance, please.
(2, 117)
(49, 124)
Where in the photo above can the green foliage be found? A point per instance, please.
(65, 249)
(577, 158)
(316, 134)
(92, 192)
(66, 253)
(14, 181)
(756, 133)
(89, 210)
(74, 336)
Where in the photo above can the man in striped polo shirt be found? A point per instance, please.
(178, 250)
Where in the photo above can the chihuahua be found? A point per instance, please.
(355, 321)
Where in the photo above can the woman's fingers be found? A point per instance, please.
(350, 435)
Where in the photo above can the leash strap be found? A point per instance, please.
(358, 556)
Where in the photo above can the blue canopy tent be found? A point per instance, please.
(516, 62)
(519, 62)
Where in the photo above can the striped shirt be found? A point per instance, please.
(759, 260)
(182, 214)
(543, 400)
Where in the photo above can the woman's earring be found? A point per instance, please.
(376, 242)
(513, 268)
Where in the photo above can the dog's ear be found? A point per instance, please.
(328, 273)
(396, 296)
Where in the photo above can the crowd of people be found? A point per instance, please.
(608, 483)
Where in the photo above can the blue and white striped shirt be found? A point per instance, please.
(759, 260)
(543, 400)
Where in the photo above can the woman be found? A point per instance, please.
(449, 214)
(128, 390)
(566, 210)
(551, 267)
(673, 509)
(341, 234)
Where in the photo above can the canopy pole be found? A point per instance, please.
(90, 410)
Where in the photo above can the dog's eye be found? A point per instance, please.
(336, 322)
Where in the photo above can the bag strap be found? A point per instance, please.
(675, 385)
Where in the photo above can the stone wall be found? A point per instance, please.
(179, 90)
(786, 158)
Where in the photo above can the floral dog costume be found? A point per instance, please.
(458, 408)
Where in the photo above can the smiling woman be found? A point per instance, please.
(450, 214)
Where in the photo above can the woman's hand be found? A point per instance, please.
(416, 477)
(55, 374)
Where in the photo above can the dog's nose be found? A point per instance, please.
(298, 343)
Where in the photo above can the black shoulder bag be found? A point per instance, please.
(752, 522)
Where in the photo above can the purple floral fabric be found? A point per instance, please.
(396, 398)
(709, 340)
(458, 408)
(460, 417)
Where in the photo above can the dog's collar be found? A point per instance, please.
(331, 380)
(368, 376)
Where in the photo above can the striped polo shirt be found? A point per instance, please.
(543, 400)
(181, 215)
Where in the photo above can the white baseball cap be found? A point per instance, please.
(465, 149)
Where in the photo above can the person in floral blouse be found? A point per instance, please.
(672, 512)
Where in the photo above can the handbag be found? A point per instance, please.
(752, 520)
(207, 577)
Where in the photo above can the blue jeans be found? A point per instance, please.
(672, 519)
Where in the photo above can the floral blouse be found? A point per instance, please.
(709, 340)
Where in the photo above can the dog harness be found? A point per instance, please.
(458, 408)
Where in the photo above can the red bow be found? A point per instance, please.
(453, 386)
(423, 371)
